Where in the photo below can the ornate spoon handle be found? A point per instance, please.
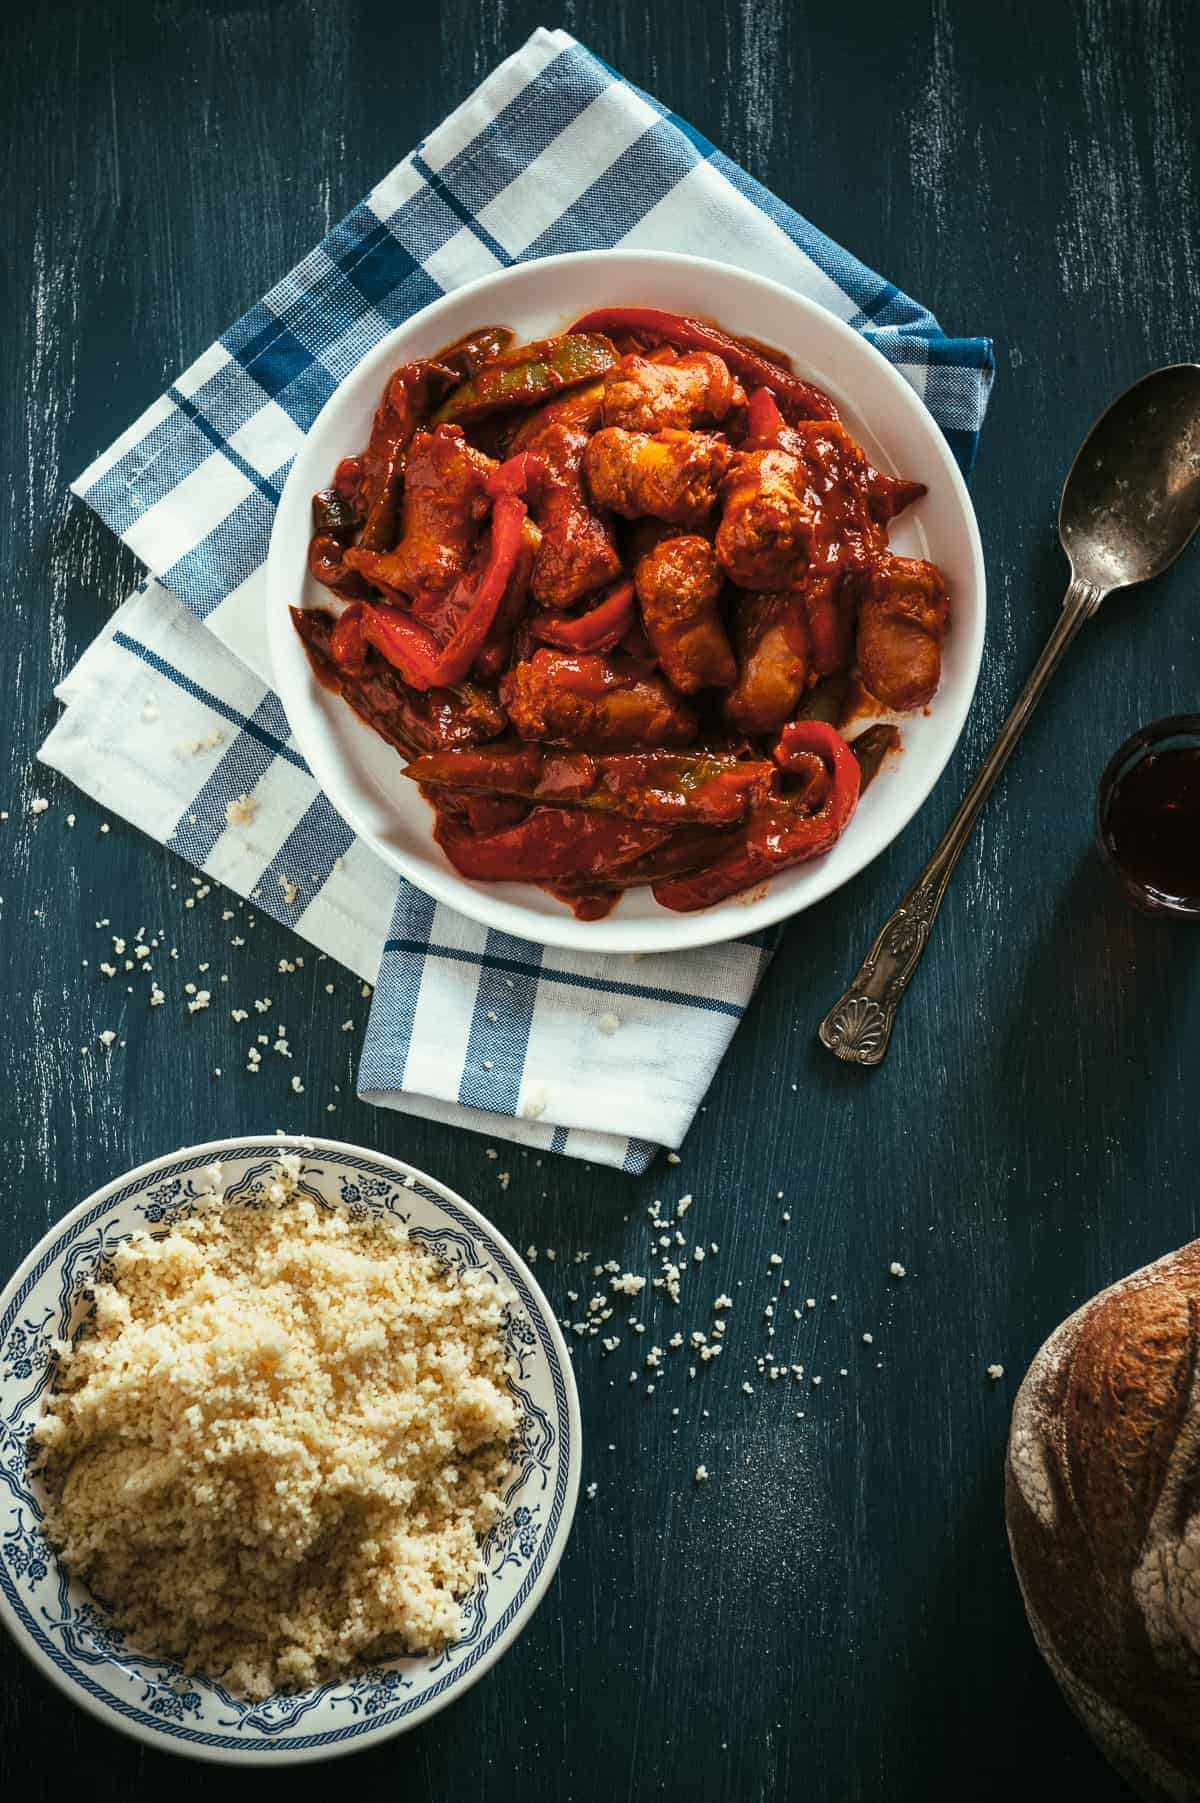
(858, 1027)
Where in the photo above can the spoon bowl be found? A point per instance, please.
(1131, 500)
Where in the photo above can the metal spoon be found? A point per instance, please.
(1130, 503)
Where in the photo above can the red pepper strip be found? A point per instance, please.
(326, 561)
(430, 605)
(781, 832)
(496, 655)
(347, 644)
(407, 645)
(547, 845)
(830, 627)
(347, 478)
(694, 335)
(517, 475)
(764, 422)
(890, 495)
(508, 517)
(412, 722)
(685, 851)
(419, 655)
(638, 648)
(501, 770)
(600, 629)
(492, 813)
(802, 736)
(396, 419)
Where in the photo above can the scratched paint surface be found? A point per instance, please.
(832, 1615)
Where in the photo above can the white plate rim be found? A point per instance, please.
(52, 1248)
(487, 904)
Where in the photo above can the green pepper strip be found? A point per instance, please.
(528, 376)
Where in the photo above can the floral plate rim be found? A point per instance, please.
(271, 1743)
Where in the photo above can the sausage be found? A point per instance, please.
(774, 656)
(901, 624)
(670, 475)
(586, 698)
(678, 585)
(646, 396)
(768, 520)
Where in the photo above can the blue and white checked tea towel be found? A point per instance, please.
(170, 716)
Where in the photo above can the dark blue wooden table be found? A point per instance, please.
(832, 1616)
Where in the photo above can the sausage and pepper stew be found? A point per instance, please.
(611, 596)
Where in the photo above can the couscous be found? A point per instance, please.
(276, 1446)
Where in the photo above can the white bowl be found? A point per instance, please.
(362, 776)
(71, 1639)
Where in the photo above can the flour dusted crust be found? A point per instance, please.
(1103, 1506)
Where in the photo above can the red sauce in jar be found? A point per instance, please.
(1152, 823)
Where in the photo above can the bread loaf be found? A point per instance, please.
(1102, 1495)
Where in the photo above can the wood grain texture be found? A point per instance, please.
(833, 1616)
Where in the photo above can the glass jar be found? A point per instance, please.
(1148, 818)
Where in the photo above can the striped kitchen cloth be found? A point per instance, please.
(170, 717)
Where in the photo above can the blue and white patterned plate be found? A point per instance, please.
(69, 1635)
